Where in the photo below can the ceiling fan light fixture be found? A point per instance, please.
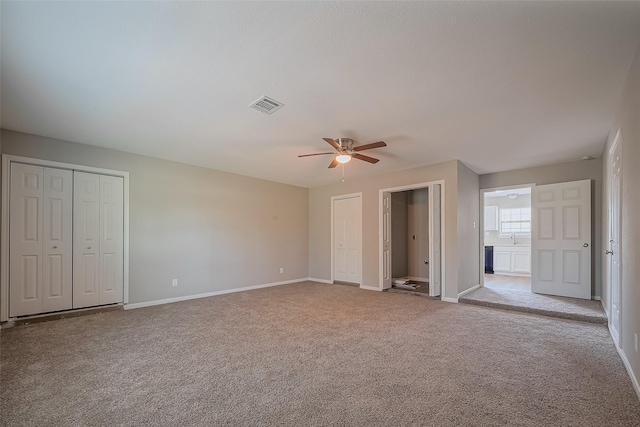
(343, 158)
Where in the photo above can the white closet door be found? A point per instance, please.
(25, 240)
(386, 240)
(57, 240)
(86, 239)
(111, 239)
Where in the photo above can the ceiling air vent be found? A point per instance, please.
(266, 105)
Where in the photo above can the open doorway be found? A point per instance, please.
(410, 244)
(412, 238)
(507, 239)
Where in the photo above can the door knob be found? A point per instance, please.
(55, 247)
(88, 247)
(608, 252)
(586, 245)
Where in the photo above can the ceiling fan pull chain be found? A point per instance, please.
(343, 172)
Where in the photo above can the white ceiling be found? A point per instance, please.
(497, 85)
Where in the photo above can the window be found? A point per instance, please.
(516, 221)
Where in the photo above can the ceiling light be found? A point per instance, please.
(343, 158)
(512, 196)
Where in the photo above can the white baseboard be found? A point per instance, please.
(370, 288)
(627, 365)
(596, 297)
(508, 273)
(208, 294)
(313, 279)
(469, 290)
(447, 299)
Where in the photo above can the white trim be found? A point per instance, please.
(471, 289)
(442, 229)
(627, 365)
(597, 298)
(607, 264)
(208, 294)
(7, 159)
(313, 279)
(447, 299)
(333, 199)
(370, 288)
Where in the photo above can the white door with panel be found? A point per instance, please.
(561, 239)
(347, 229)
(435, 270)
(386, 240)
(98, 240)
(613, 252)
(40, 240)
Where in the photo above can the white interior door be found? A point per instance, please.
(25, 240)
(386, 240)
(111, 239)
(347, 231)
(435, 270)
(614, 240)
(57, 285)
(86, 240)
(561, 239)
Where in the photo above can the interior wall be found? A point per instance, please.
(320, 220)
(417, 236)
(564, 172)
(211, 230)
(468, 228)
(627, 119)
(399, 232)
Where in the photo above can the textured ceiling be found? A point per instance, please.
(497, 85)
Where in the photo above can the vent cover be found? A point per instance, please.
(266, 105)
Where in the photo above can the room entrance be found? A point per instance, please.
(411, 238)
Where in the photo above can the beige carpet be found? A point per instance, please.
(313, 354)
(545, 305)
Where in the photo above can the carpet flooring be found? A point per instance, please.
(313, 354)
(545, 305)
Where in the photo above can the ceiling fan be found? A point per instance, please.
(345, 151)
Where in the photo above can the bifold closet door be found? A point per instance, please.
(98, 252)
(39, 240)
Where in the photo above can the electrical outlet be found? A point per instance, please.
(281, 270)
(636, 341)
(174, 282)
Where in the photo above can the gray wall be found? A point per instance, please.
(468, 228)
(627, 119)
(211, 230)
(418, 225)
(399, 230)
(564, 172)
(320, 221)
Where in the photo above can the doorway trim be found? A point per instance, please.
(333, 259)
(482, 193)
(617, 338)
(7, 159)
(429, 185)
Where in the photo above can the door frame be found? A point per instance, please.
(333, 259)
(617, 338)
(429, 185)
(482, 192)
(7, 159)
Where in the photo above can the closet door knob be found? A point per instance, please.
(88, 247)
(55, 247)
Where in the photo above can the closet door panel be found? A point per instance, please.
(86, 239)
(111, 239)
(25, 240)
(57, 240)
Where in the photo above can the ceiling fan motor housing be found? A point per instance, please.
(346, 144)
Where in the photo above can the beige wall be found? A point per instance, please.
(399, 230)
(564, 172)
(211, 230)
(627, 119)
(320, 221)
(418, 225)
(468, 228)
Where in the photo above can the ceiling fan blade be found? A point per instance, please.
(333, 164)
(370, 146)
(365, 158)
(315, 154)
(333, 143)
